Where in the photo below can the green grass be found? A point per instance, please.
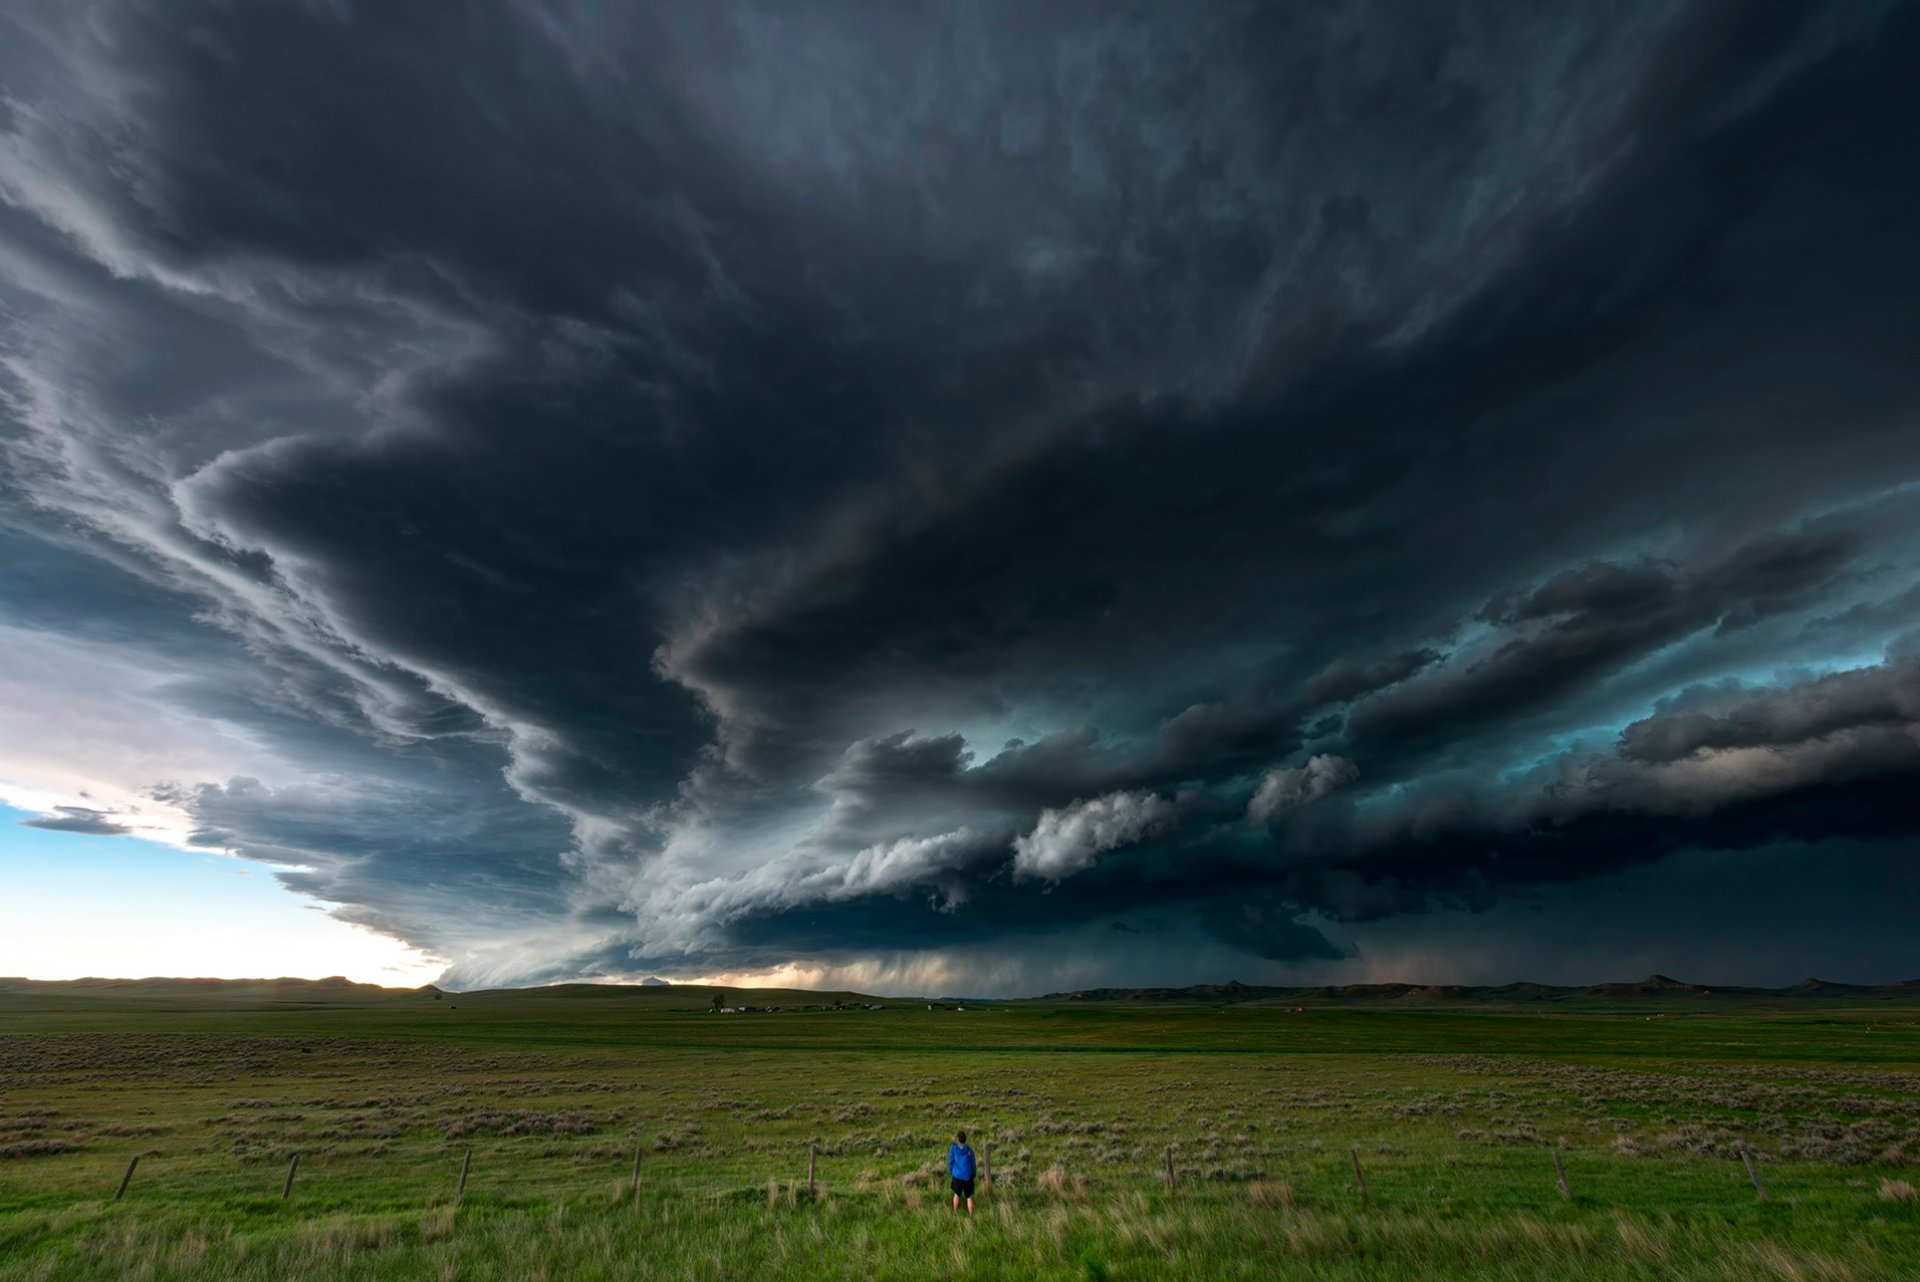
(1454, 1113)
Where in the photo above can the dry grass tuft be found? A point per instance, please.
(1271, 1193)
(1056, 1181)
(1771, 1260)
(1635, 1238)
(1899, 1191)
(439, 1227)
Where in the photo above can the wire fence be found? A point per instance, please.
(1170, 1177)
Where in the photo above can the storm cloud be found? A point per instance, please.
(972, 496)
(81, 819)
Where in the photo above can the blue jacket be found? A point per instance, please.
(960, 1162)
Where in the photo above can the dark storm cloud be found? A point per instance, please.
(98, 823)
(1701, 720)
(1266, 925)
(1589, 621)
(677, 488)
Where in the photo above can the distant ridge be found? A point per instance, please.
(1652, 987)
(159, 993)
(331, 990)
(331, 982)
(287, 992)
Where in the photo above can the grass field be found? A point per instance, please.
(1455, 1114)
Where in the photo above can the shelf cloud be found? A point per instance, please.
(968, 495)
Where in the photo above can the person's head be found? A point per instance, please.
(959, 1137)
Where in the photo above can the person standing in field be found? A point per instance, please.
(960, 1167)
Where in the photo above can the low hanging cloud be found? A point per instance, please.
(1702, 722)
(1068, 840)
(904, 862)
(1289, 788)
(941, 483)
(81, 819)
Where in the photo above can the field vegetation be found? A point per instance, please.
(1454, 1116)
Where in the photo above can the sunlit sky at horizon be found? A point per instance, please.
(77, 906)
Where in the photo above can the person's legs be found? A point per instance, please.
(956, 1203)
(969, 1203)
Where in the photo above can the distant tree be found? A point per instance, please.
(719, 998)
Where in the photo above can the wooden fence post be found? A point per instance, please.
(1172, 1183)
(1566, 1192)
(986, 1165)
(127, 1178)
(1754, 1175)
(636, 1174)
(292, 1166)
(1359, 1176)
(465, 1166)
(813, 1151)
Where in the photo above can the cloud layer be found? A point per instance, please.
(962, 496)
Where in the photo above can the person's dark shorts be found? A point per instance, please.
(962, 1188)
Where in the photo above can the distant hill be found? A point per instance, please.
(1652, 988)
(160, 994)
(332, 991)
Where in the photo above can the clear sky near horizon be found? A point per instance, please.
(74, 905)
(982, 498)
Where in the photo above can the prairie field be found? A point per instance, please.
(1453, 1114)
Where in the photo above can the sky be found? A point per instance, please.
(978, 499)
(79, 904)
